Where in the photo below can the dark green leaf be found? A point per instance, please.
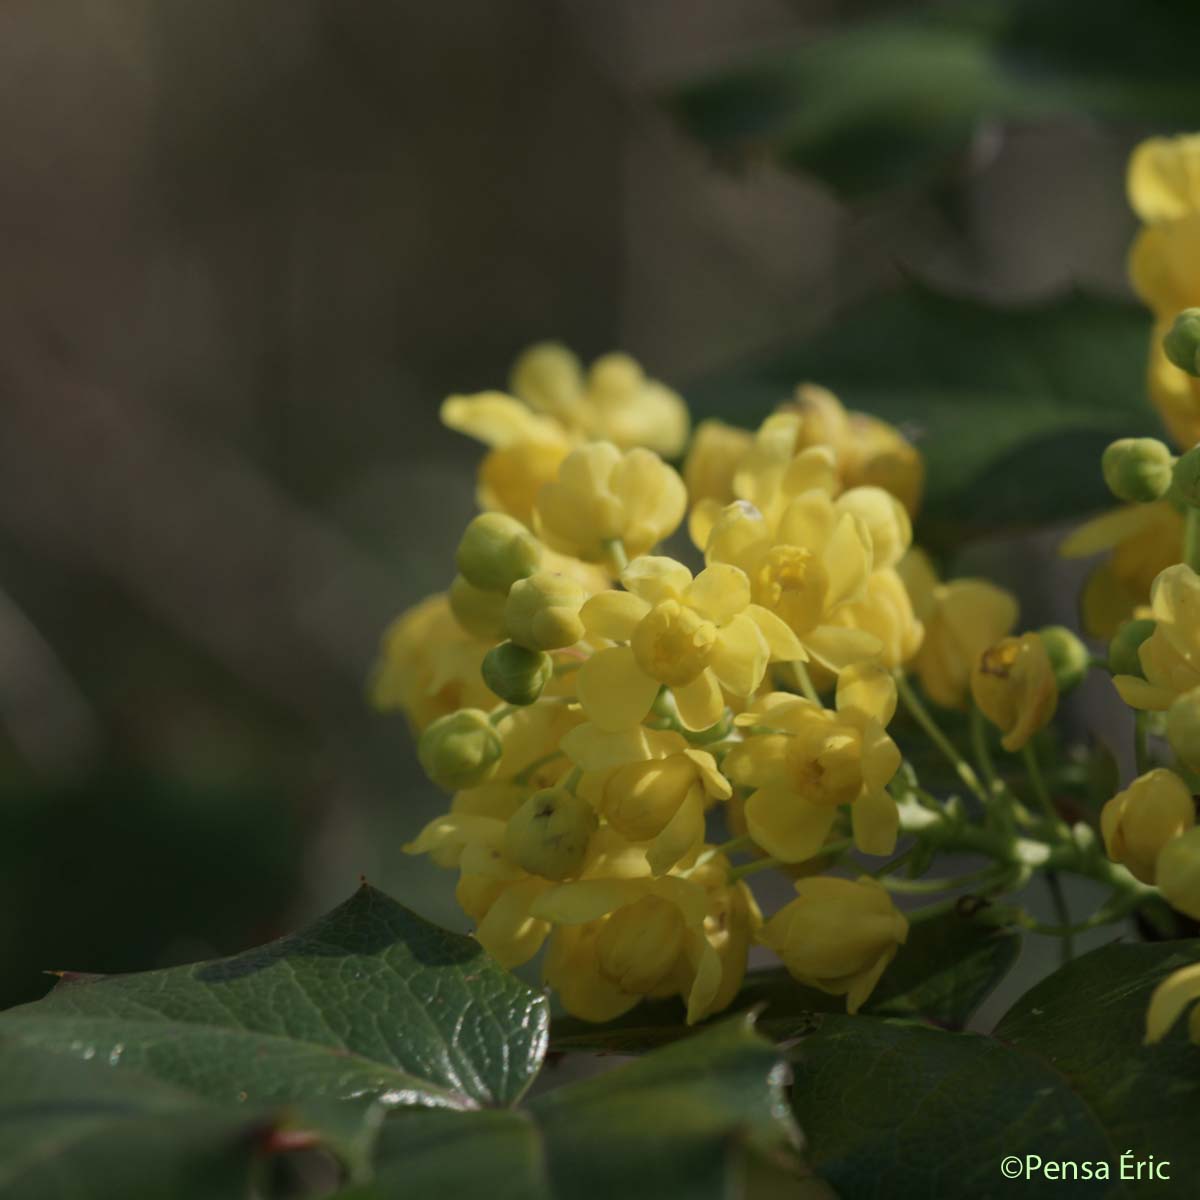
(369, 1002)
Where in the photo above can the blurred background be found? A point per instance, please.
(248, 249)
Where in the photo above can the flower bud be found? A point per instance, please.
(1178, 873)
(639, 944)
(837, 935)
(479, 613)
(496, 551)
(1137, 469)
(1182, 341)
(1068, 656)
(549, 834)
(886, 519)
(1137, 823)
(460, 750)
(516, 674)
(1123, 658)
(542, 612)
(1013, 683)
(1183, 728)
(1185, 479)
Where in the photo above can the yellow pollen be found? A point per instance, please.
(673, 644)
(792, 583)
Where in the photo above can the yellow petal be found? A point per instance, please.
(739, 656)
(739, 534)
(595, 749)
(1137, 693)
(586, 900)
(681, 835)
(656, 578)
(701, 520)
(867, 691)
(786, 825)
(715, 784)
(783, 644)
(720, 592)
(848, 560)
(1169, 999)
(613, 615)
(700, 702)
(880, 757)
(1163, 178)
(813, 469)
(455, 830)
(614, 691)
(509, 932)
(497, 420)
(864, 983)
(838, 648)
(876, 822)
(707, 980)
(1104, 532)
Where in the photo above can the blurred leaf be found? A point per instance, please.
(891, 100)
(948, 967)
(677, 1123)
(369, 1002)
(1011, 408)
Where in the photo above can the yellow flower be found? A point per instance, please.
(428, 666)
(1177, 873)
(1144, 539)
(1169, 1001)
(809, 761)
(1164, 266)
(837, 935)
(962, 619)
(1139, 821)
(1170, 656)
(885, 613)
(804, 568)
(602, 496)
(621, 939)
(693, 635)
(1013, 685)
(716, 453)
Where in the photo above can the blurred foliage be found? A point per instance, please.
(896, 99)
(1010, 407)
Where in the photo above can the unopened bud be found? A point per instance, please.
(516, 674)
(640, 944)
(460, 750)
(1123, 656)
(549, 834)
(542, 612)
(1149, 814)
(1185, 479)
(1182, 341)
(1178, 873)
(496, 551)
(1137, 469)
(1068, 656)
(480, 613)
(1183, 728)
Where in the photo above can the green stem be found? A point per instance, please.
(805, 681)
(892, 863)
(1059, 899)
(923, 718)
(751, 868)
(920, 887)
(745, 842)
(501, 711)
(1191, 537)
(1141, 743)
(523, 775)
(571, 782)
(1038, 783)
(614, 552)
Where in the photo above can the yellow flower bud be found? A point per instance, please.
(479, 613)
(1137, 469)
(496, 551)
(1013, 684)
(837, 935)
(1068, 656)
(1182, 342)
(550, 833)
(641, 797)
(1178, 872)
(1123, 658)
(639, 944)
(1137, 823)
(716, 453)
(460, 750)
(516, 674)
(542, 612)
(886, 519)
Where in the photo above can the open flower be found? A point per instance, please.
(694, 636)
(1170, 656)
(808, 761)
(1014, 686)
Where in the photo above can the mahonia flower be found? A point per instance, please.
(1144, 540)
(1170, 1000)
(602, 497)
(621, 939)
(838, 935)
(961, 619)
(885, 613)
(1170, 656)
(1138, 822)
(808, 761)
(1013, 685)
(694, 636)
(1164, 266)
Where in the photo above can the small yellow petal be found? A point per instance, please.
(700, 702)
(595, 749)
(786, 825)
(1169, 999)
(613, 615)
(876, 822)
(1137, 693)
(720, 592)
(715, 784)
(782, 643)
(681, 835)
(740, 655)
(707, 980)
(509, 932)
(1104, 532)
(497, 420)
(614, 691)
(838, 648)
(585, 900)
(867, 691)
(656, 578)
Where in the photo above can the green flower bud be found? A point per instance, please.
(1068, 656)
(516, 674)
(480, 613)
(496, 551)
(1185, 480)
(542, 612)
(1177, 873)
(1123, 649)
(1182, 342)
(549, 834)
(460, 750)
(1183, 728)
(1137, 469)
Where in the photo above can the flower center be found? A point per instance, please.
(827, 769)
(673, 644)
(792, 583)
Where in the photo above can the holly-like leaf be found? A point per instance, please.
(685, 1121)
(370, 1002)
(942, 974)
